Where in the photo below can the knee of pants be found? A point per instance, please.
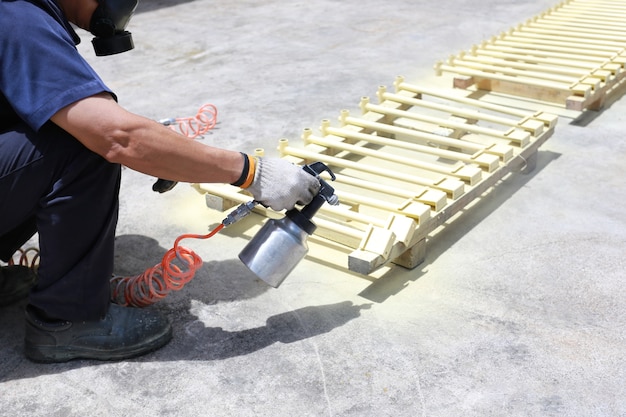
(36, 167)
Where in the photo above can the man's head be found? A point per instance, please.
(108, 23)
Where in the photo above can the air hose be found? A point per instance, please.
(192, 127)
(27, 257)
(178, 266)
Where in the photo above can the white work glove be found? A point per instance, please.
(279, 184)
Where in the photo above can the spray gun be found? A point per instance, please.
(281, 244)
(271, 254)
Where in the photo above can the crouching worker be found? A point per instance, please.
(63, 139)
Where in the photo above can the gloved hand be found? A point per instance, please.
(279, 184)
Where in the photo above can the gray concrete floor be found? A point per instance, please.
(518, 309)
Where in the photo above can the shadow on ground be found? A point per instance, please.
(192, 339)
(398, 277)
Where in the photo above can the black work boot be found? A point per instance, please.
(15, 283)
(123, 333)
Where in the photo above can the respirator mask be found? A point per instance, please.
(108, 25)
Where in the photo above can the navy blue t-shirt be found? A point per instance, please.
(41, 70)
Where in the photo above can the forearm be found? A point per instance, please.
(145, 145)
(156, 150)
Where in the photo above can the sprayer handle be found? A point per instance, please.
(316, 168)
(326, 191)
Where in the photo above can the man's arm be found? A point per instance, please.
(144, 145)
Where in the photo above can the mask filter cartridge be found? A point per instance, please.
(108, 24)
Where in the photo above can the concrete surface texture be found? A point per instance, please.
(518, 310)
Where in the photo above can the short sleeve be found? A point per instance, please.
(41, 71)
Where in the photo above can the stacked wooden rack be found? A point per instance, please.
(411, 160)
(573, 55)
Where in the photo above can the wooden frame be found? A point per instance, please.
(406, 166)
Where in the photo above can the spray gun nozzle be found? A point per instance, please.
(333, 199)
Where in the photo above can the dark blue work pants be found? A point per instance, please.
(51, 184)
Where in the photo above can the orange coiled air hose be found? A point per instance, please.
(195, 126)
(27, 257)
(157, 282)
